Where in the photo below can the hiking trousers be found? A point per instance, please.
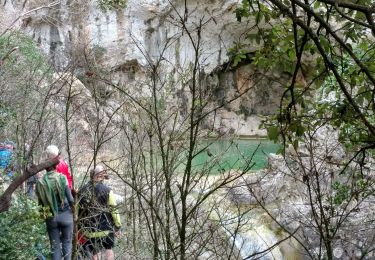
(60, 232)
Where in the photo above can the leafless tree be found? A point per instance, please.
(173, 207)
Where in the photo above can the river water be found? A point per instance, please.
(224, 154)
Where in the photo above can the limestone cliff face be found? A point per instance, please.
(68, 29)
(60, 26)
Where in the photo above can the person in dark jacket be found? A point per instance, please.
(99, 220)
(53, 192)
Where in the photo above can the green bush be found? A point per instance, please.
(23, 231)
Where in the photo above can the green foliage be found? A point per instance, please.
(277, 41)
(254, 9)
(306, 107)
(112, 4)
(278, 48)
(360, 188)
(237, 58)
(326, 58)
(26, 56)
(332, 102)
(23, 70)
(273, 133)
(23, 233)
(342, 193)
(7, 113)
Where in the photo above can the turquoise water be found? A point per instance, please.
(223, 155)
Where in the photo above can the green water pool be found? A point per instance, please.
(223, 155)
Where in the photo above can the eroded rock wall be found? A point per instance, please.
(128, 39)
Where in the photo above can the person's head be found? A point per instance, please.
(9, 145)
(52, 151)
(99, 173)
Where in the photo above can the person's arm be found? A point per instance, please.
(113, 206)
(69, 197)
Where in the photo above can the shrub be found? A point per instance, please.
(23, 232)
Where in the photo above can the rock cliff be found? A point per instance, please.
(128, 38)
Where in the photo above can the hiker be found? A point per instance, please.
(99, 220)
(7, 161)
(53, 192)
(52, 152)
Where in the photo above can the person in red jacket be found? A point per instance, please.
(52, 152)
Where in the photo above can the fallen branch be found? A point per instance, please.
(6, 197)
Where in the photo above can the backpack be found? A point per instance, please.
(50, 190)
(94, 214)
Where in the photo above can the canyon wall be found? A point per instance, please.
(128, 38)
